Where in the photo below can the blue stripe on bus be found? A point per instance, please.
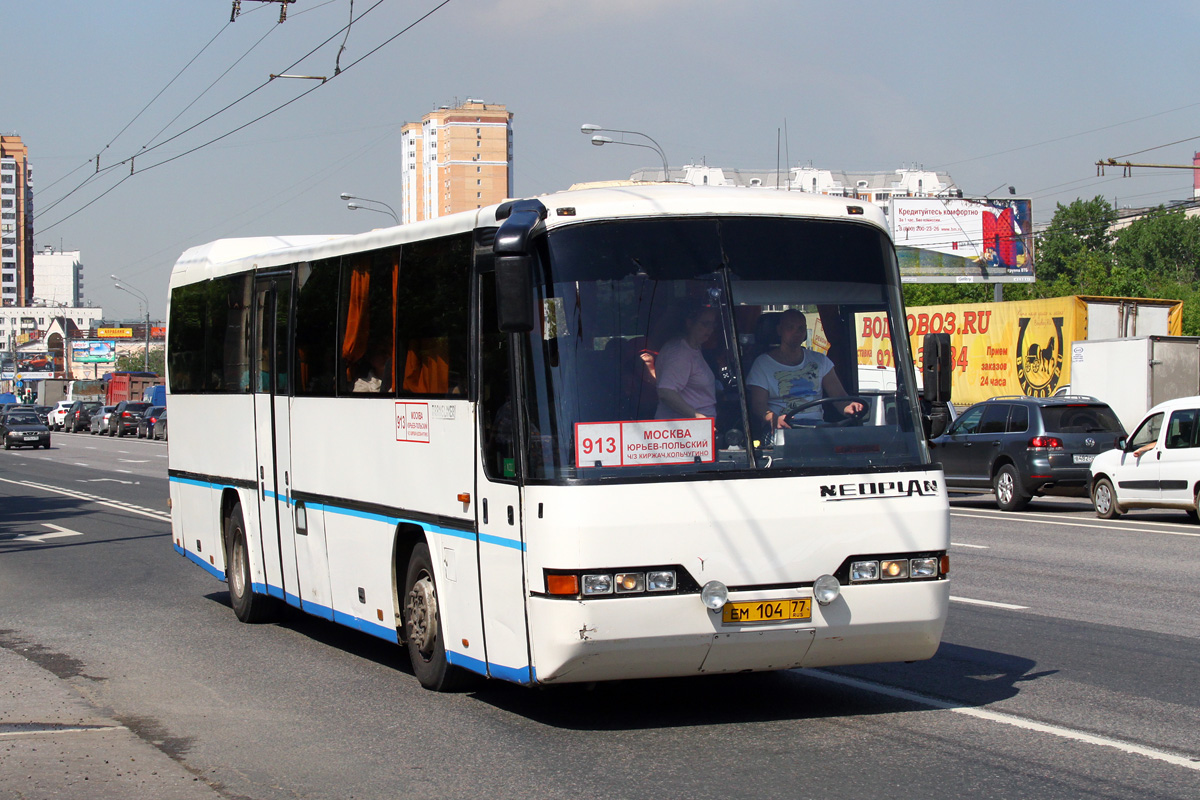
(209, 568)
(521, 675)
(515, 544)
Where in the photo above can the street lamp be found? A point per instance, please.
(603, 140)
(355, 206)
(142, 296)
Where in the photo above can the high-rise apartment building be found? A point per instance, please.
(455, 159)
(58, 277)
(16, 222)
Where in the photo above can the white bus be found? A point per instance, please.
(449, 435)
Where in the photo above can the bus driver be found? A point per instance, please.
(790, 375)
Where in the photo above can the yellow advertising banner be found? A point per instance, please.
(114, 333)
(998, 349)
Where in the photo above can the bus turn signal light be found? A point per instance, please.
(562, 584)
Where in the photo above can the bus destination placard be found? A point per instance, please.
(412, 422)
(645, 442)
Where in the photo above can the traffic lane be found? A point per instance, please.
(90, 473)
(1138, 574)
(126, 458)
(307, 704)
(1122, 683)
(313, 708)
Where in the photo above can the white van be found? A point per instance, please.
(1157, 467)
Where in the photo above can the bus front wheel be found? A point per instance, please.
(248, 606)
(423, 627)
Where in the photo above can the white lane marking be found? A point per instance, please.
(52, 730)
(104, 501)
(989, 603)
(972, 546)
(41, 538)
(1109, 528)
(1007, 719)
(134, 460)
(102, 480)
(995, 512)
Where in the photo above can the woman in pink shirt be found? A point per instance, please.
(687, 388)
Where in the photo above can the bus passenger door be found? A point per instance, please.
(502, 579)
(272, 306)
(498, 513)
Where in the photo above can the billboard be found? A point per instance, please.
(962, 240)
(115, 333)
(93, 352)
(35, 364)
(1014, 348)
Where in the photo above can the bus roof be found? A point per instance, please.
(226, 256)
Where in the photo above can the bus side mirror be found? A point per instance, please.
(514, 293)
(514, 263)
(937, 368)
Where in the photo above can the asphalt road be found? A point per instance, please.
(1068, 669)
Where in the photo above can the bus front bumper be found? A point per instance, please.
(650, 637)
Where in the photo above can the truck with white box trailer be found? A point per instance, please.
(1136, 373)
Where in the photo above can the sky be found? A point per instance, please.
(1022, 94)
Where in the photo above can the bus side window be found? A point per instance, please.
(434, 295)
(495, 389)
(186, 346)
(316, 328)
(367, 312)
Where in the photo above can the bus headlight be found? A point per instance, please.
(597, 584)
(861, 571)
(926, 567)
(630, 582)
(826, 589)
(660, 581)
(714, 594)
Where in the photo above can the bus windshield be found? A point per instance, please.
(674, 347)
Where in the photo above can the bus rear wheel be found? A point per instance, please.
(248, 606)
(423, 627)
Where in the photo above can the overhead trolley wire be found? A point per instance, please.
(259, 118)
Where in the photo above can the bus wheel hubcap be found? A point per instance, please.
(422, 615)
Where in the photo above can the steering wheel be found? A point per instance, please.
(854, 418)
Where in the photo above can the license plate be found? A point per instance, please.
(768, 611)
(32, 438)
(1084, 458)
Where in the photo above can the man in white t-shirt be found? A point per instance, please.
(790, 375)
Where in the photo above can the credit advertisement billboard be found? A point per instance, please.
(93, 352)
(1014, 348)
(961, 240)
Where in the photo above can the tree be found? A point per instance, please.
(135, 361)
(1081, 227)
(1164, 244)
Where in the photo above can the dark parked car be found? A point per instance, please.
(43, 413)
(1021, 447)
(79, 415)
(125, 417)
(145, 427)
(99, 423)
(160, 426)
(24, 429)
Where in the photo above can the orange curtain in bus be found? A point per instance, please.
(427, 367)
(354, 342)
(395, 310)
